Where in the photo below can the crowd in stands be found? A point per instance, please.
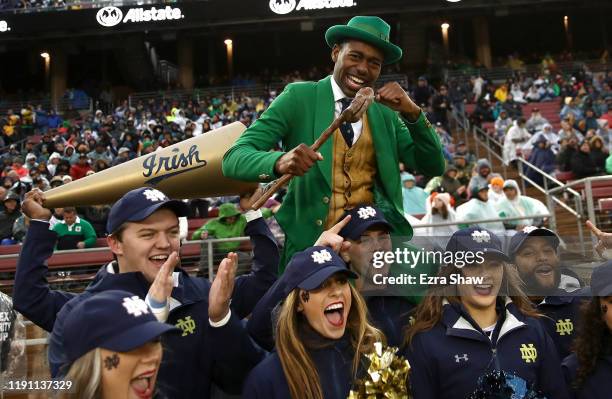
(61, 148)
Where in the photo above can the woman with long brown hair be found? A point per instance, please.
(476, 322)
(588, 371)
(321, 331)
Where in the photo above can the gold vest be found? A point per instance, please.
(353, 173)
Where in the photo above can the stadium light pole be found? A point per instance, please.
(47, 59)
(229, 46)
(445, 27)
(568, 34)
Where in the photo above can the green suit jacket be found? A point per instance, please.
(299, 115)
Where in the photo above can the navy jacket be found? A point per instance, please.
(391, 315)
(189, 364)
(332, 359)
(561, 320)
(597, 385)
(448, 359)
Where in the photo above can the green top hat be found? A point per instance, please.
(372, 30)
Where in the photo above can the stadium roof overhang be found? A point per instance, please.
(206, 17)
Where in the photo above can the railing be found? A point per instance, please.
(502, 73)
(487, 141)
(588, 191)
(45, 102)
(254, 90)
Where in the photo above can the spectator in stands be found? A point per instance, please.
(502, 124)
(441, 105)
(582, 163)
(123, 155)
(462, 150)
(19, 168)
(477, 85)
(54, 160)
(8, 217)
(501, 93)
(464, 170)
(20, 228)
(567, 131)
(533, 94)
(74, 232)
(100, 152)
(549, 135)
(414, 196)
(422, 92)
(482, 113)
(457, 96)
(517, 93)
(536, 121)
(439, 210)
(496, 189)
(479, 208)
(481, 178)
(80, 169)
(514, 109)
(30, 161)
(599, 152)
(97, 215)
(229, 224)
(70, 154)
(609, 165)
(517, 136)
(515, 205)
(590, 120)
(572, 107)
(541, 157)
(448, 183)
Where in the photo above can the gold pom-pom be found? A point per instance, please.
(387, 376)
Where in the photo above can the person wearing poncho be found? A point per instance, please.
(479, 208)
(514, 204)
(414, 196)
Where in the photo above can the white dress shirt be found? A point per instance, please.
(339, 95)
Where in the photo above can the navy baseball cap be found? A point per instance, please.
(531, 231)
(601, 280)
(363, 217)
(310, 268)
(475, 239)
(139, 204)
(115, 320)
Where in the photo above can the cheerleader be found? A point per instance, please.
(321, 331)
(112, 342)
(480, 331)
(588, 371)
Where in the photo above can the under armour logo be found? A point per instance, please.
(481, 236)
(565, 327)
(529, 353)
(366, 212)
(529, 229)
(154, 195)
(321, 256)
(187, 325)
(464, 358)
(135, 306)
